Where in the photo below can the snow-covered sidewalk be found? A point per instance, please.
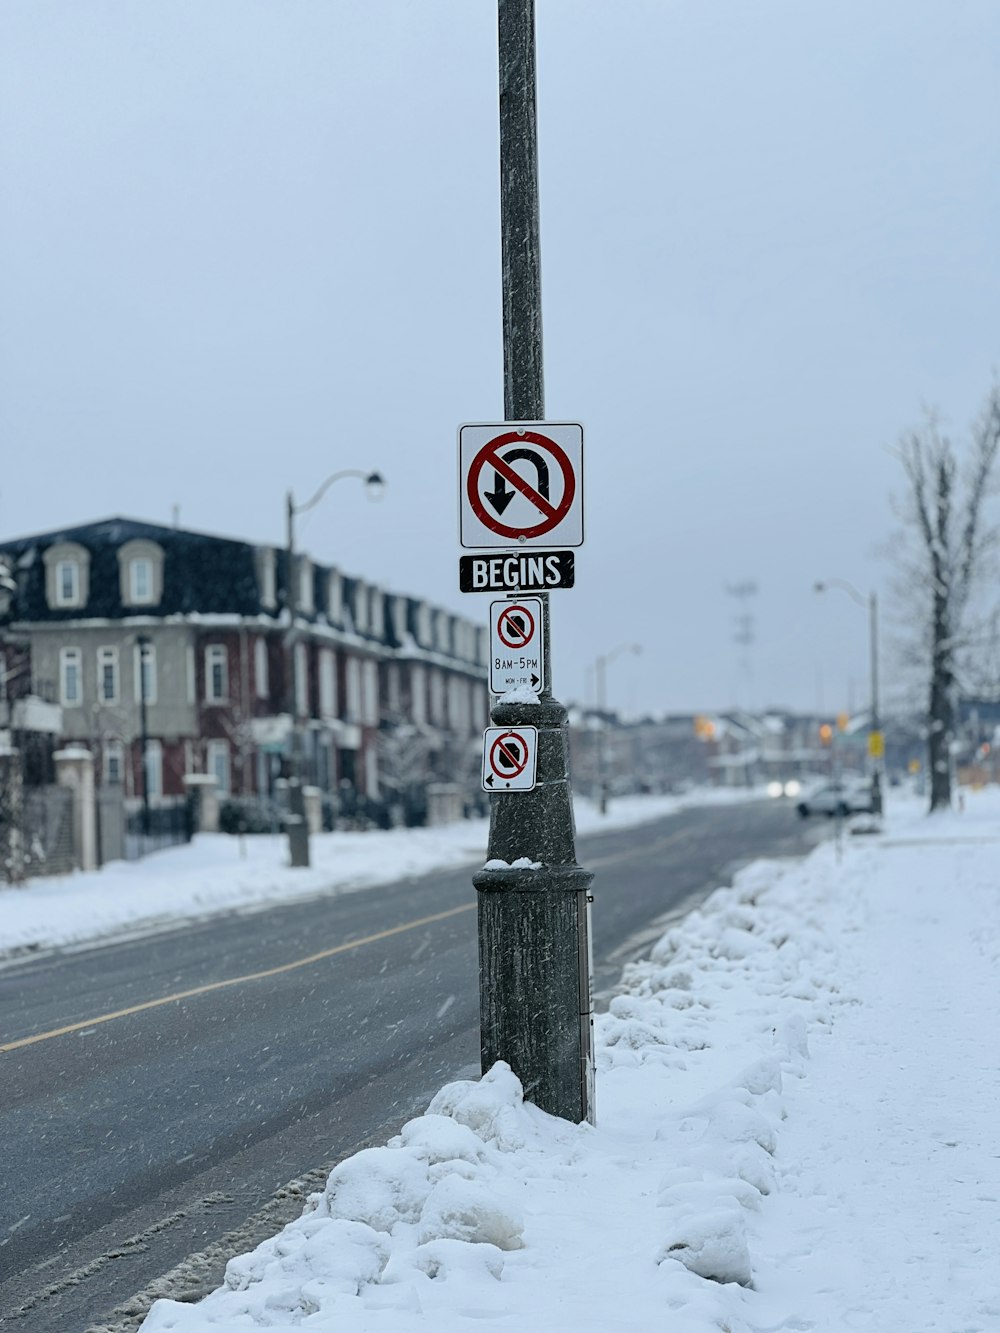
(798, 1101)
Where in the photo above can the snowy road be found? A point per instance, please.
(158, 1091)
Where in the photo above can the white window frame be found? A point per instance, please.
(136, 596)
(192, 674)
(334, 597)
(418, 694)
(301, 669)
(261, 675)
(152, 762)
(72, 598)
(327, 683)
(369, 692)
(71, 668)
(304, 573)
(218, 764)
(437, 697)
(114, 757)
(107, 656)
(216, 660)
(353, 684)
(149, 652)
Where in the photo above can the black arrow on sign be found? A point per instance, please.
(534, 679)
(500, 497)
(489, 780)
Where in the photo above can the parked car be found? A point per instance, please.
(843, 796)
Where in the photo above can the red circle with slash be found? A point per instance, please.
(517, 764)
(522, 637)
(489, 456)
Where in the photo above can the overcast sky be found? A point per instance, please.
(245, 243)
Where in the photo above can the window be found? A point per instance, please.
(353, 690)
(371, 773)
(327, 683)
(301, 680)
(192, 690)
(418, 695)
(67, 569)
(376, 621)
(265, 577)
(361, 608)
(70, 677)
(107, 675)
(305, 588)
(260, 674)
(67, 583)
(217, 763)
(334, 597)
(140, 575)
(369, 693)
(216, 673)
(114, 764)
(437, 698)
(154, 769)
(140, 567)
(145, 673)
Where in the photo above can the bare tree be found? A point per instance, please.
(943, 510)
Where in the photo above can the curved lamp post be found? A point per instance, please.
(298, 828)
(600, 677)
(874, 726)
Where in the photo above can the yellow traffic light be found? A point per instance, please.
(842, 720)
(825, 734)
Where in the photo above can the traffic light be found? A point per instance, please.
(825, 734)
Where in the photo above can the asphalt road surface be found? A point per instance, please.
(179, 1094)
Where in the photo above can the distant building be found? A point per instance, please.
(177, 643)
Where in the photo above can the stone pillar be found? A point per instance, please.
(75, 770)
(314, 809)
(204, 787)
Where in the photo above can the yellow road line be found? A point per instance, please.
(234, 981)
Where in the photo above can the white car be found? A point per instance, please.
(843, 796)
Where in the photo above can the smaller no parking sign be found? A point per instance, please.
(516, 644)
(510, 756)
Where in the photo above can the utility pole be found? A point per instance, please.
(534, 925)
(298, 828)
(143, 643)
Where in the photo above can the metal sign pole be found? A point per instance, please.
(534, 926)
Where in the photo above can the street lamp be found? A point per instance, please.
(875, 742)
(298, 828)
(600, 673)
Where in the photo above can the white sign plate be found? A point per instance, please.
(521, 484)
(516, 644)
(509, 758)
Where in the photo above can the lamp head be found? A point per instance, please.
(375, 486)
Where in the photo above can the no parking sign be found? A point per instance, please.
(510, 755)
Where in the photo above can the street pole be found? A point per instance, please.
(298, 828)
(600, 668)
(142, 642)
(534, 925)
(876, 725)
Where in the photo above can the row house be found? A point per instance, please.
(177, 645)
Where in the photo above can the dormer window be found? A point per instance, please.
(140, 565)
(67, 567)
(140, 576)
(361, 608)
(305, 586)
(266, 578)
(334, 597)
(67, 583)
